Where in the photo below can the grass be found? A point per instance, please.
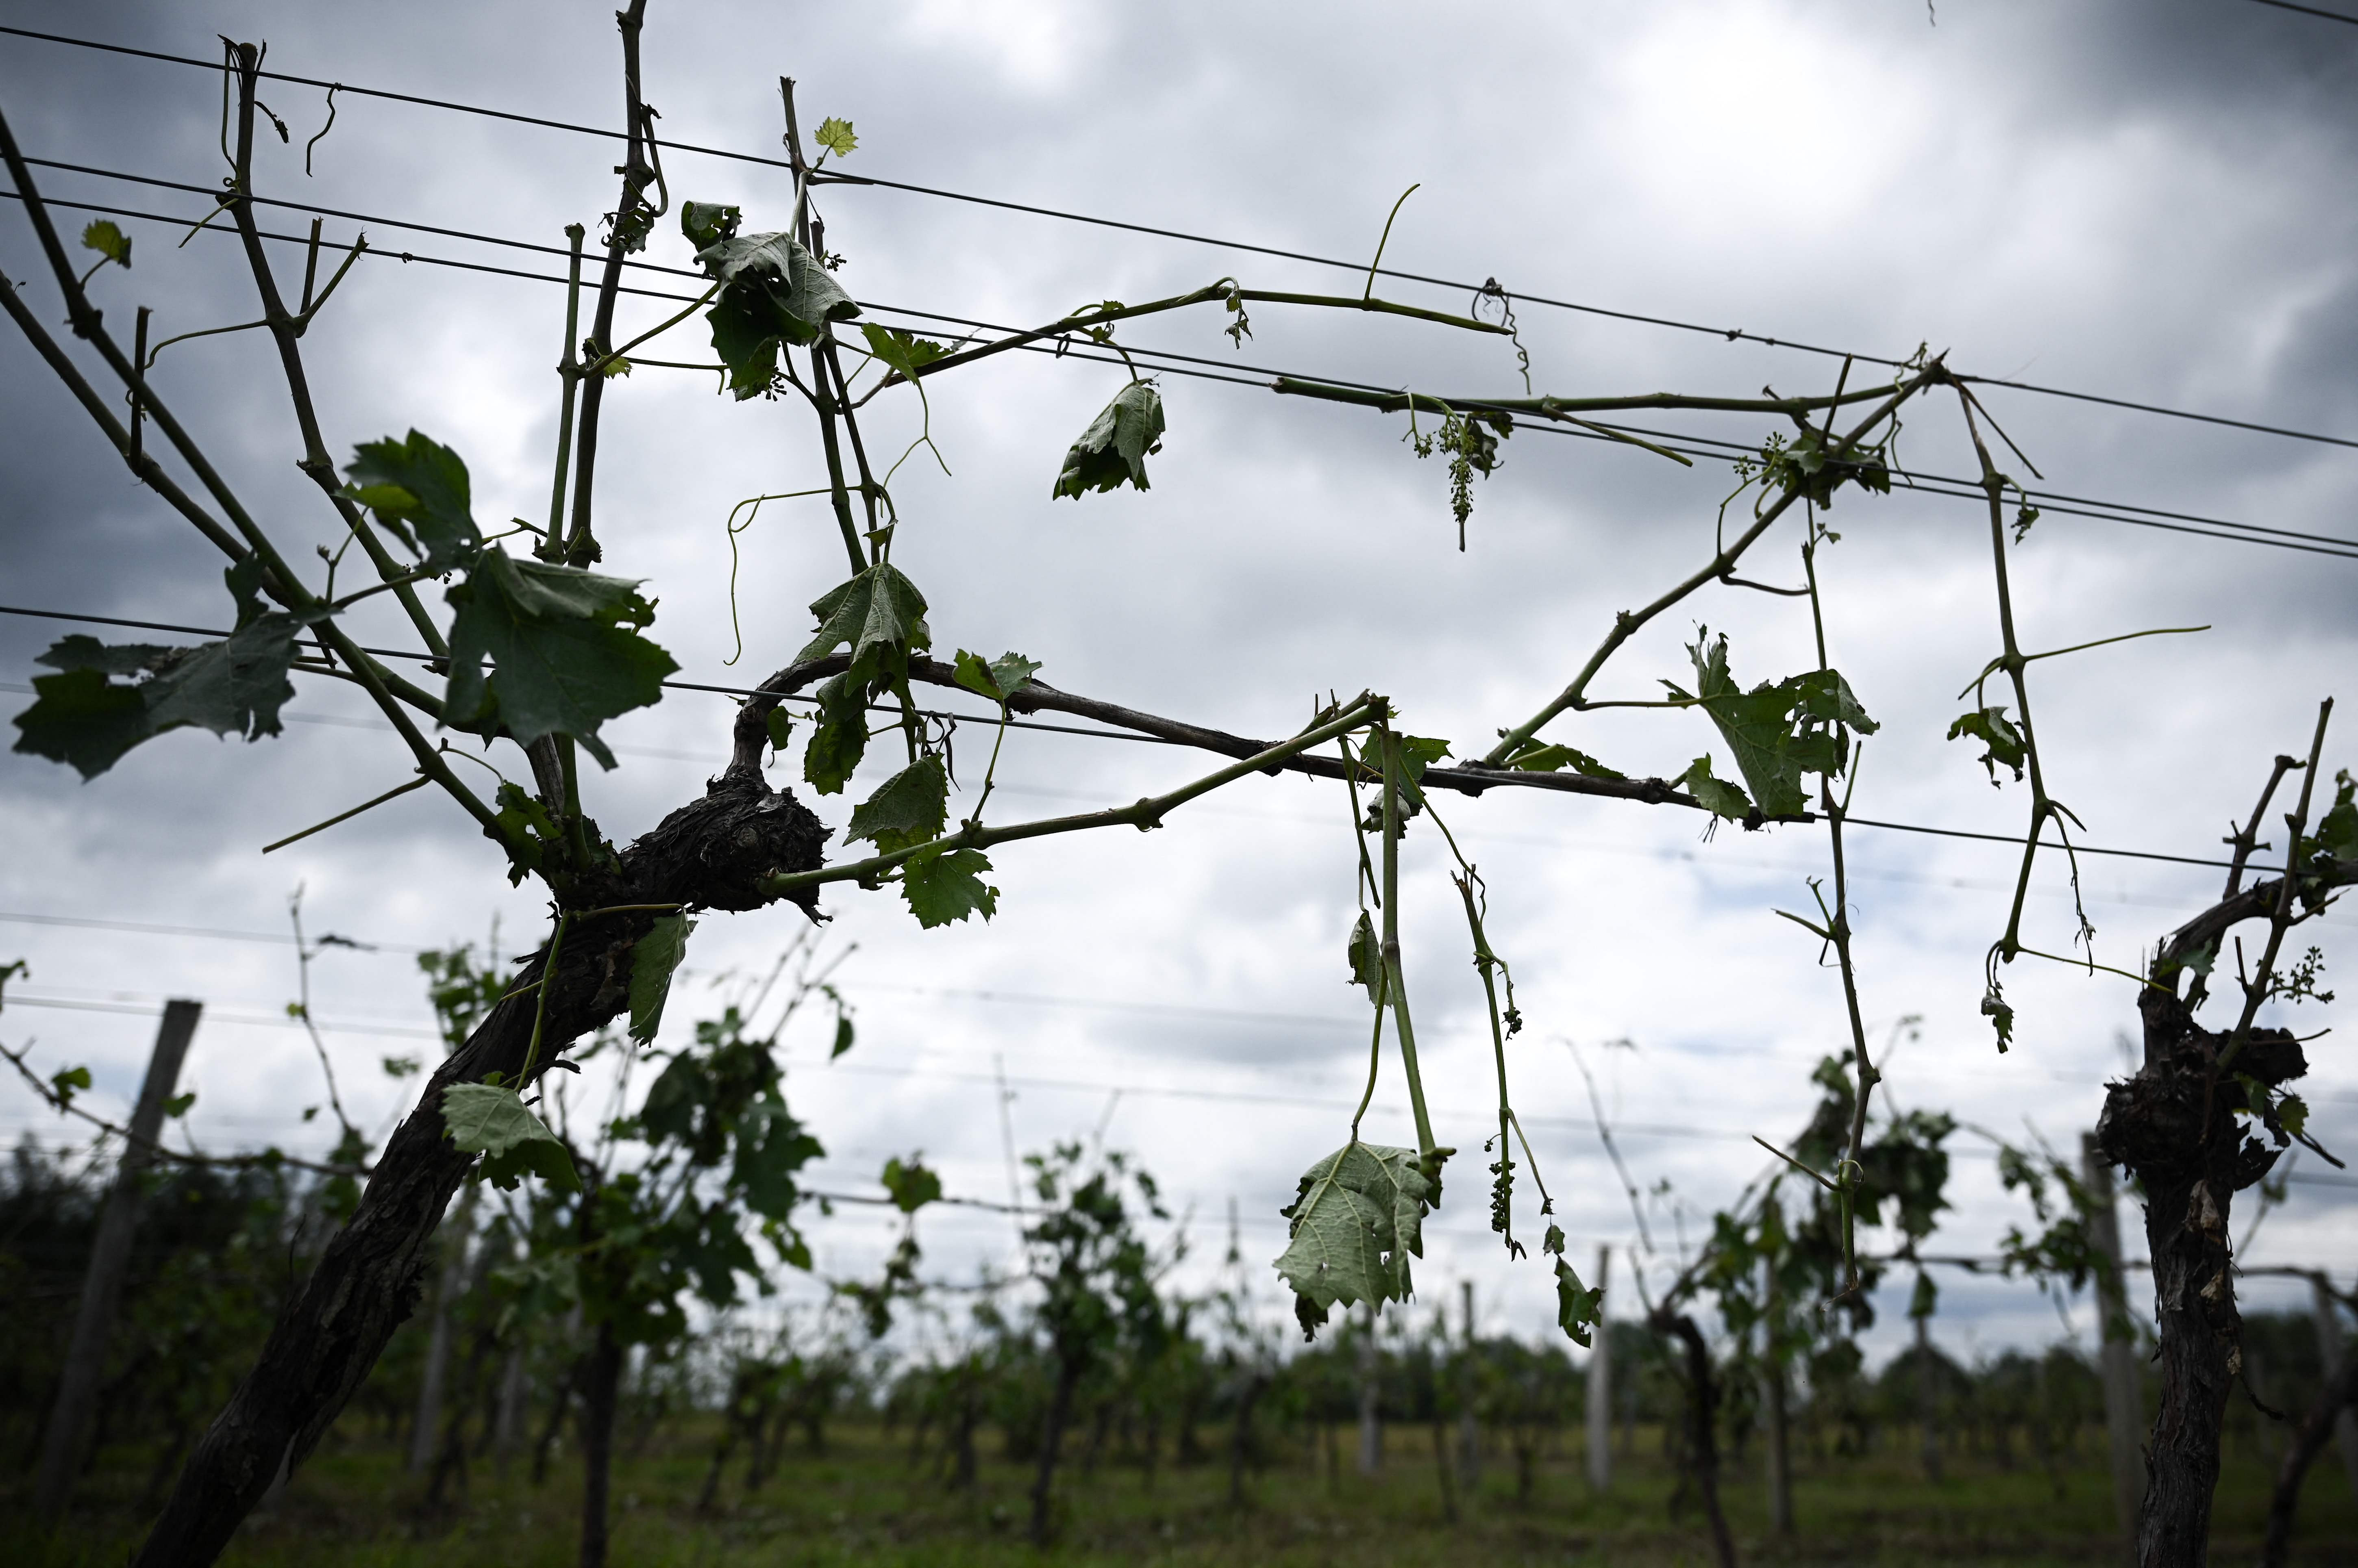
(863, 1503)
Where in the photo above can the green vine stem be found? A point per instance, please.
(1403, 1027)
(1626, 623)
(2011, 659)
(1145, 815)
(2257, 989)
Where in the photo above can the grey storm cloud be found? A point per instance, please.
(2146, 201)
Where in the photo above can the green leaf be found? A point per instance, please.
(2292, 1113)
(1115, 447)
(419, 490)
(947, 885)
(2000, 1013)
(904, 352)
(108, 241)
(1366, 956)
(907, 809)
(177, 1105)
(2337, 830)
(1717, 795)
(490, 1120)
(839, 738)
(912, 1185)
(244, 580)
(781, 726)
(880, 615)
(1800, 725)
(772, 291)
(1357, 1220)
(998, 679)
(707, 223)
(564, 655)
(843, 1036)
(1533, 757)
(83, 717)
(2003, 743)
(836, 137)
(66, 1082)
(654, 959)
(1577, 1309)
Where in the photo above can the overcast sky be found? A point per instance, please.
(2145, 201)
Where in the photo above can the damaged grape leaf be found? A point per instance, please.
(2001, 744)
(903, 351)
(772, 291)
(85, 718)
(907, 809)
(1114, 449)
(1533, 757)
(490, 1119)
(564, 647)
(1366, 956)
(1357, 1220)
(419, 490)
(1578, 1309)
(1716, 795)
(947, 885)
(654, 958)
(1000, 679)
(1779, 733)
(880, 615)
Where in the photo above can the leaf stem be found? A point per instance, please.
(393, 793)
(1403, 1027)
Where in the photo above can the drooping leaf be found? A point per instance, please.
(998, 679)
(564, 652)
(85, 718)
(839, 738)
(1578, 1309)
(836, 137)
(1716, 795)
(491, 1121)
(66, 1082)
(947, 885)
(907, 809)
(1366, 958)
(1114, 449)
(244, 580)
(912, 1185)
(108, 241)
(707, 223)
(1356, 1221)
(772, 291)
(1533, 757)
(2002, 742)
(2337, 830)
(2000, 1013)
(844, 1036)
(781, 727)
(1779, 733)
(654, 957)
(904, 352)
(419, 490)
(880, 615)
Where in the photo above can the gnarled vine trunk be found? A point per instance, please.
(2173, 1125)
(710, 853)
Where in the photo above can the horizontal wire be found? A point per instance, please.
(836, 177)
(1685, 444)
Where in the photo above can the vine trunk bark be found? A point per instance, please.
(2173, 1124)
(711, 853)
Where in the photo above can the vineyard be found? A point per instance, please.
(881, 917)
